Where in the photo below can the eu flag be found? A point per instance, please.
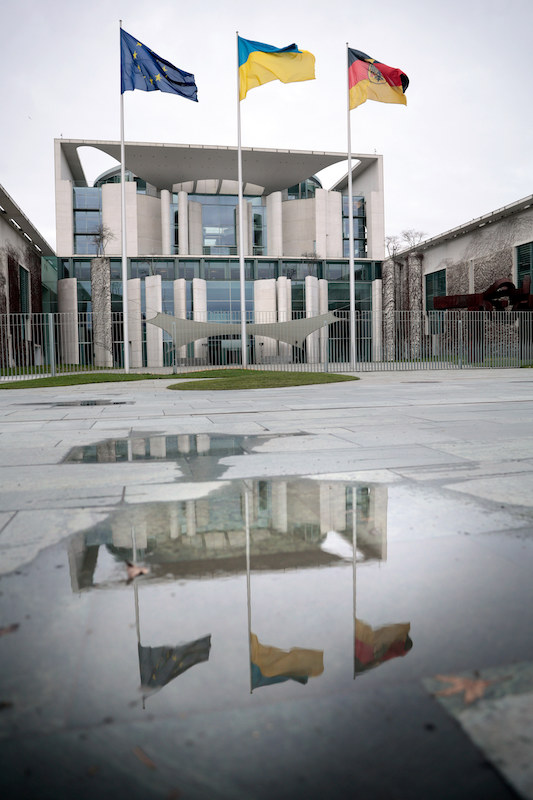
(141, 68)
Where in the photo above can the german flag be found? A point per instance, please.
(369, 79)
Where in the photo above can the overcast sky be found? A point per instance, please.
(461, 148)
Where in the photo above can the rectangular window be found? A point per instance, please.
(524, 262)
(359, 227)
(24, 284)
(435, 287)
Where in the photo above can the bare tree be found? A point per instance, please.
(412, 237)
(392, 243)
(101, 239)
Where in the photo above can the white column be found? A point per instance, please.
(166, 242)
(67, 306)
(154, 336)
(311, 310)
(180, 308)
(265, 311)
(377, 320)
(135, 323)
(158, 446)
(183, 224)
(284, 314)
(199, 305)
(279, 506)
(323, 308)
(274, 225)
(195, 230)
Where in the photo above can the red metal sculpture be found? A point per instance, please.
(500, 295)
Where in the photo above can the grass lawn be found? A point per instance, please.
(218, 379)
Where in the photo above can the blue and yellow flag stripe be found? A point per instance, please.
(260, 63)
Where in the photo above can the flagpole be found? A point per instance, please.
(123, 219)
(350, 223)
(244, 354)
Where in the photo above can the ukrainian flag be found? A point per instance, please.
(273, 665)
(260, 63)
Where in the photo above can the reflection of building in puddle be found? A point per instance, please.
(292, 523)
(169, 448)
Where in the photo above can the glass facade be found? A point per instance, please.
(359, 227)
(87, 219)
(219, 223)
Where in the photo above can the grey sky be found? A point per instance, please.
(461, 147)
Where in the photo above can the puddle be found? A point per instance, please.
(291, 620)
(76, 403)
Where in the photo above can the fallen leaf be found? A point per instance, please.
(9, 629)
(134, 571)
(473, 688)
(141, 755)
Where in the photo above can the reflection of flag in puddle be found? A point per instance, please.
(272, 665)
(160, 665)
(373, 646)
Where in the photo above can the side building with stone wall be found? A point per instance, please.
(462, 261)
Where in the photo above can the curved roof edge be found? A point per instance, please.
(163, 165)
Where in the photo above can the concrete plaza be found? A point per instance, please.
(455, 449)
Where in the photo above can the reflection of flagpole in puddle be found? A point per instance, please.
(247, 529)
(354, 547)
(136, 596)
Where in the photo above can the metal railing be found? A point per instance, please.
(51, 344)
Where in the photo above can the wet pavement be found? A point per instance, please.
(305, 592)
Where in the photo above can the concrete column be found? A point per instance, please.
(101, 304)
(166, 228)
(158, 446)
(67, 306)
(321, 222)
(284, 315)
(414, 278)
(323, 308)
(377, 320)
(279, 506)
(183, 224)
(135, 323)
(332, 507)
(265, 311)
(154, 336)
(174, 526)
(196, 234)
(389, 308)
(180, 309)
(311, 310)
(199, 305)
(274, 225)
(190, 516)
(184, 443)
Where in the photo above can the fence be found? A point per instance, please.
(50, 344)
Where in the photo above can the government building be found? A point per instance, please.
(182, 234)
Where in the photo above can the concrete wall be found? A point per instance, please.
(370, 184)
(149, 225)
(299, 227)
(477, 258)
(112, 218)
(328, 224)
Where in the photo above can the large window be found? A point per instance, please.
(435, 287)
(87, 219)
(359, 227)
(24, 284)
(219, 223)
